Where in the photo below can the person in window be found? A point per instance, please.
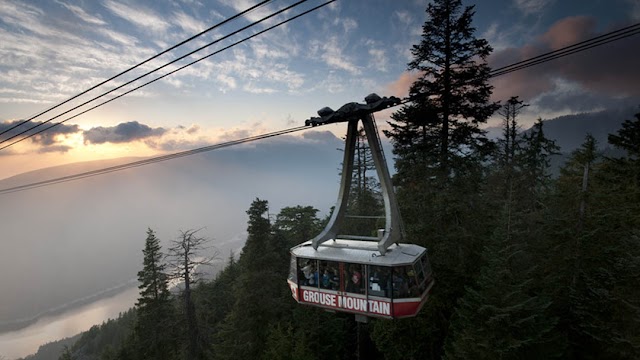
(400, 286)
(379, 281)
(355, 280)
(326, 279)
(310, 274)
(335, 279)
(374, 279)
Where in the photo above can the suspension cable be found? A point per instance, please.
(159, 68)
(148, 161)
(247, 11)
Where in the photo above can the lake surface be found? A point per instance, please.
(23, 342)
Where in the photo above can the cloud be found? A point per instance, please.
(255, 89)
(498, 37)
(254, 15)
(34, 44)
(401, 86)
(121, 133)
(569, 31)
(143, 18)
(331, 53)
(227, 82)
(189, 24)
(569, 96)
(404, 17)
(118, 37)
(320, 136)
(610, 70)
(193, 129)
(54, 148)
(347, 24)
(530, 7)
(379, 59)
(262, 50)
(83, 15)
(46, 138)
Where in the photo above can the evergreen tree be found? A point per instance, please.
(66, 354)
(297, 224)
(628, 139)
(595, 257)
(504, 314)
(500, 317)
(534, 159)
(565, 235)
(215, 301)
(452, 93)
(308, 333)
(440, 152)
(258, 291)
(155, 311)
(509, 143)
(605, 300)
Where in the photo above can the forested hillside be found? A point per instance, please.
(526, 266)
(540, 268)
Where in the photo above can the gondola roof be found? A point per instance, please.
(364, 252)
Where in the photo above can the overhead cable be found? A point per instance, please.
(571, 49)
(247, 11)
(159, 68)
(556, 54)
(152, 160)
(587, 44)
(568, 50)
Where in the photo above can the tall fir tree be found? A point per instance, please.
(303, 332)
(593, 234)
(628, 140)
(155, 312)
(509, 143)
(440, 152)
(534, 161)
(258, 291)
(441, 126)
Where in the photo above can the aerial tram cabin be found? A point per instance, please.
(369, 276)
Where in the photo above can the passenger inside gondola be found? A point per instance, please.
(335, 279)
(310, 274)
(379, 281)
(326, 280)
(400, 283)
(329, 277)
(354, 279)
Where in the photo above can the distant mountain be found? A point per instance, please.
(569, 131)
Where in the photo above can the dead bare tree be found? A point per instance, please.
(185, 260)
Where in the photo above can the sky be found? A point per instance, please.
(52, 50)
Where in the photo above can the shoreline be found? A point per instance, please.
(73, 321)
(19, 324)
